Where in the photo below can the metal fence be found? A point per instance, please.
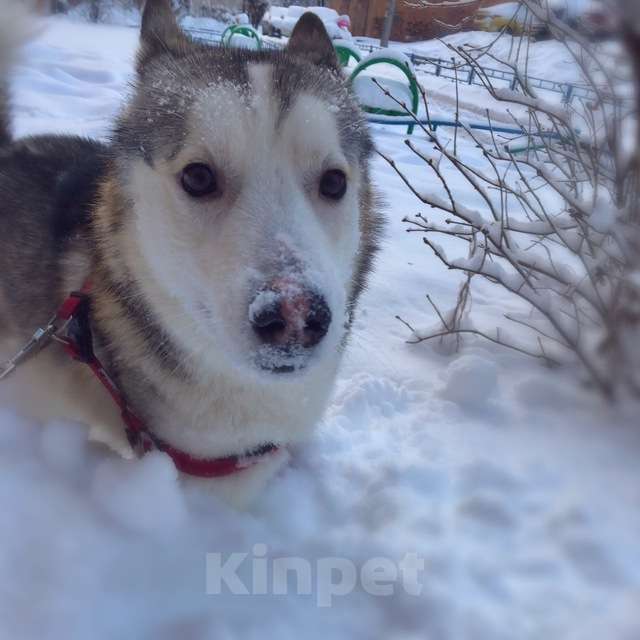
(468, 74)
(450, 70)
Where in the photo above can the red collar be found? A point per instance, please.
(78, 342)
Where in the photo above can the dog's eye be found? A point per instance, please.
(333, 184)
(199, 180)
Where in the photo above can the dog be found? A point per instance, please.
(220, 240)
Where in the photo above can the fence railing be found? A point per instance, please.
(450, 69)
(466, 73)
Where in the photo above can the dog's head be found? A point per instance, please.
(248, 172)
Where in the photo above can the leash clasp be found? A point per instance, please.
(40, 339)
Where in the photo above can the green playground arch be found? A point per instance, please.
(241, 30)
(413, 86)
(345, 54)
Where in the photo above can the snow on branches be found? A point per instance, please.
(559, 225)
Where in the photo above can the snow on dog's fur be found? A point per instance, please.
(227, 230)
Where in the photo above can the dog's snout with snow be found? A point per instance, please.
(289, 318)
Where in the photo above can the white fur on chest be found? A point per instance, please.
(49, 387)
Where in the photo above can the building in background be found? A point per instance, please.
(411, 21)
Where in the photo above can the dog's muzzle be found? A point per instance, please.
(289, 321)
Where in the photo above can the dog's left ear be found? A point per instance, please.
(310, 40)
(160, 32)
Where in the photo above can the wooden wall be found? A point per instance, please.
(410, 23)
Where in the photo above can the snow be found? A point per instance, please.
(347, 44)
(324, 13)
(390, 78)
(241, 41)
(391, 54)
(543, 56)
(370, 95)
(110, 13)
(285, 19)
(517, 488)
(474, 100)
(211, 24)
(576, 7)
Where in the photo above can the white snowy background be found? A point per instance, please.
(517, 486)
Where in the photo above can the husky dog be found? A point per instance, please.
(227, 230)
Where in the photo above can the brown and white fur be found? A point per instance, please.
(181, 284)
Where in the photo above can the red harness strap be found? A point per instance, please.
(78, 343)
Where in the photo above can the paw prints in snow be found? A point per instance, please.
(489, 495)
(367, 395)
(472, 383)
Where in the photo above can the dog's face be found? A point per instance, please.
(249, 178)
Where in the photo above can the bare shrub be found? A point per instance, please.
(559, 226)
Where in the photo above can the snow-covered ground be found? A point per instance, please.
(546, 60)
(517, 488)
(543, 57)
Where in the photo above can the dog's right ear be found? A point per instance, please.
(160, 32)
(310, 40)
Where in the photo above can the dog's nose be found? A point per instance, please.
(295, 319)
